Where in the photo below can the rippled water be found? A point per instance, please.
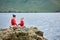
(49, 23)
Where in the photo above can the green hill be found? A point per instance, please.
(29, 5)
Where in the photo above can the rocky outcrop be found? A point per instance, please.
(21, 34)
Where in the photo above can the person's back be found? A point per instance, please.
(21, 22)
(13, 21)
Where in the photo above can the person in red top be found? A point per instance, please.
(21, 24)
(13, 21)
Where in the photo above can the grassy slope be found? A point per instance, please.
(29, 5)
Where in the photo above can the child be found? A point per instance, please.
(13, 21)
(21, 22)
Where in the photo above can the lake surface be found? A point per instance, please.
(49, 23)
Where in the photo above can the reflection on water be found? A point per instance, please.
(48, 23)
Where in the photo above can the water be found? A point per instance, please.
(49, 23)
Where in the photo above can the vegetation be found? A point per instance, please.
(29, 6)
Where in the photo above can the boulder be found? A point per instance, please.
(32, 33)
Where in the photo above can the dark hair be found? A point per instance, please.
(14, 15)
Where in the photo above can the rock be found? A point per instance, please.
(22, 34)
(38, 32)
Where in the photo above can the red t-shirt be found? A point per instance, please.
(21, 23)
(13, 21)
